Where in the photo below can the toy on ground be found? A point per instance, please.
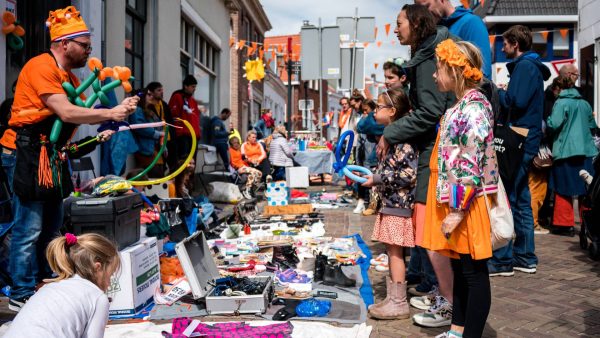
(341, 166)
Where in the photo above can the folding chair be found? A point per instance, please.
(207, 157)
(83, 164)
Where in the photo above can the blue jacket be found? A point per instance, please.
(524, 98)
(368, 126)
(469, 27)
(218, 131)
(146, 138)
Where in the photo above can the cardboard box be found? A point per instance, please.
(277, 193)
(297, 177)
(139, 277)
(294, 209)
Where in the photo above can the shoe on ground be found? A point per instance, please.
(538, 230)
(495, 272)
(369, 212)
(425, 302)
(382, 258)
(563, 230)
(17, 304)
(438, 315)
(383, 267)
(525, 269)
(420, 290)
(449, 334)
(360, 207)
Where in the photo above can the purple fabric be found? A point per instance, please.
(231, 330)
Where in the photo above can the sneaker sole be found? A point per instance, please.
(526, 270)
(15, 308)
(439, 324)
(406, 316)
(420, 306)
(502, 274)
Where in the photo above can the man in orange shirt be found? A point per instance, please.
(39, 205)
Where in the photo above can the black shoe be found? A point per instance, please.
(320, 263)
(563, 231)
(17, 304)
(335, 276)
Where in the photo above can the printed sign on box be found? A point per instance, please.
(138, 279)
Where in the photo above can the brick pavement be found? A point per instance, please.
(561, 300)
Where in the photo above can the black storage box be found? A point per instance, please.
(118, 218)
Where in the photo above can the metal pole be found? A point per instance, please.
(320, 121)
(353, 54)
(289, 85)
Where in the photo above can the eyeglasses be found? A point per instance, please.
(383, 106)
(574, 74)
(86, 46)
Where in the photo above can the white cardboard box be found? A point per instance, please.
(277, 193)
(297, 177)
(139, 277)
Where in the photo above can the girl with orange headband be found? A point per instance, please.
(456, 217)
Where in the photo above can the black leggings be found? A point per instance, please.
(472, 296)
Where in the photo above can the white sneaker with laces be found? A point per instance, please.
(438, 315)
(425, 302)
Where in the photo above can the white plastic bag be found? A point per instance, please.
(501, 218)
(224, 192)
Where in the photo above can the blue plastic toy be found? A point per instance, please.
(341, 166)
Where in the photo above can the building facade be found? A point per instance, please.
(553, 23)
(275, 96)
(589, 44)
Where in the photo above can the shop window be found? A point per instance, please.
(135, 20)
(561, 45)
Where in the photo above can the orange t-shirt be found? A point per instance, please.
(254, 151)
(235, 158)
(40, 75)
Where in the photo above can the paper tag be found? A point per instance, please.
(189, 331)
(180, 288)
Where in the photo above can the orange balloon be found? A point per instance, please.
(116, 71)
(8, 29)
(94, 63)
(105, 72)
(9, 18)
(124, 74)
(126, 86)
(19, 31)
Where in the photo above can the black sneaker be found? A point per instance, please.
(17, 304)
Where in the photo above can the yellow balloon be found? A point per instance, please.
(180, 169)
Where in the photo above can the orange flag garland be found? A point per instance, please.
(376, 65)
(387, 29)
(241, 44)
(544, 34)
(564, 32)
(378, 43)
(492, 39)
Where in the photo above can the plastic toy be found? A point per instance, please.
(13, 31)
(341, 165)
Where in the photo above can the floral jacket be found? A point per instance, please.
(466, 158)
(396, 178)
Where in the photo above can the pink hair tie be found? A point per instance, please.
(71, 239)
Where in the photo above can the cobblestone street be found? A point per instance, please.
(561, 300)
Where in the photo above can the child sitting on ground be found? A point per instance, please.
(74, 304)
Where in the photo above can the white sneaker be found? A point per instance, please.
(438, 315)
(382, 258)
(585, 175)
(246, 193)
(383, 267)
(360, 207)
(427, 301)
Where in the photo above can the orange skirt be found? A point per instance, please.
(473, 234)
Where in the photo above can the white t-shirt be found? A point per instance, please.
(71, 308)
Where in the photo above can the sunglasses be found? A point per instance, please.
(86, 46)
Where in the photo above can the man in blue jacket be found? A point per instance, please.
(524, 99)
(463, 23)
(219, 135)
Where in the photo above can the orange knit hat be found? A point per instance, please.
(66, 24)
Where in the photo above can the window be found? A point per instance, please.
(561, 43)
(540, 42)
(135, 19)
(199, 57)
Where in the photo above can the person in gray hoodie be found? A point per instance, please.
(416, 27)
(280, 154)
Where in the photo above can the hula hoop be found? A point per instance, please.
(156, 158)
(341, 165)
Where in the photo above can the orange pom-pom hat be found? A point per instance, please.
(66, 24)
(449, 52)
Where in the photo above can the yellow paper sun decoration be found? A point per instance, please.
(255, 70)
(449, 52)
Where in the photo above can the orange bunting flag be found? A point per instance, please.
(376, 65)
(544, 34)
(564, 32)
(231, 41)
(498, 69)
(266, 46)
(375, 37)
(272, 54)
(492, 39)
(249, 51)
(387, 29)
(241, 44)
(254, 47)
(280, 48)
(365, 44)
(465, 3)
(378, 43)
(261, 53)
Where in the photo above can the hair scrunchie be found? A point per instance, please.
(70, 239)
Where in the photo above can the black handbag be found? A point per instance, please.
(509, 146)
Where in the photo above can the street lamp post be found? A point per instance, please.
(289, 84)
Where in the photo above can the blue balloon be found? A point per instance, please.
(341, 165)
